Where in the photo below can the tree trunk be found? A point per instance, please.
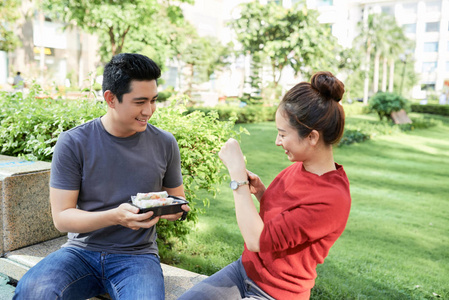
(390, 84)
(190, 84)
(366, 83)
(384, 74)
(376, 72)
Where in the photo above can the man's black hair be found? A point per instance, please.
(125, 67)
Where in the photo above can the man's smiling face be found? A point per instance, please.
(132, 114)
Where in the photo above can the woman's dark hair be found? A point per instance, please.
(315, 106)
(125, 67)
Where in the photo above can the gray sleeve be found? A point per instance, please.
(173, 175)
(65, 166)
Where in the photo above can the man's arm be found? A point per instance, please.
(68, 218)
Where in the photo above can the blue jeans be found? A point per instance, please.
(229, 283)
(75, 273)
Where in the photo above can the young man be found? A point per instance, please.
(96, 168)
(18, 82)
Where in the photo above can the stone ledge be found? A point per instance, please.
(25, 215)
(17, 262)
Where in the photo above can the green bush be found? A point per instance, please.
(355, 108)
(436, 109)
(165, 94)
(200, 137)
(351, 136)
(30, 126)
(246, 114)
(385, 103)
(357, 131)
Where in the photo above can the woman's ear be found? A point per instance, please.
(313, 137)
(109, 97)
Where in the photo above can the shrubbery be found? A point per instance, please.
(384, 103)
(436, 109)
(246, 114)
(30, 127)
(362, 130)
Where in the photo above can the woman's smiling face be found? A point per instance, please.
(288, 138)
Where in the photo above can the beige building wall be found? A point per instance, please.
(51, 55)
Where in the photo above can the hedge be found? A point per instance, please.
(435, 109)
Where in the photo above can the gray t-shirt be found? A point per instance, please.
(107, 171)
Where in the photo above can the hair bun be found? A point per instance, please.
(328, 85)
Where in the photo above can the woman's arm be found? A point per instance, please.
(248, 219)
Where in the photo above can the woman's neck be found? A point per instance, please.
(321, 162)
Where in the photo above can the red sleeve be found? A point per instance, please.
(313, 219)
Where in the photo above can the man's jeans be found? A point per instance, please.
(229, 283)
(74, 273)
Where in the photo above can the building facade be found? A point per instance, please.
(426, 22)
(49, 53)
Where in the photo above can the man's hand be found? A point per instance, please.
(128, 216)
(175, 217)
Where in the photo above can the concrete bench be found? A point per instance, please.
(28, 233)
(15, 263)
(25, 204)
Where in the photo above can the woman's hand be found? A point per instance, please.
(256, 185)
(232, 157)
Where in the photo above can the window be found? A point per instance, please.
(409, 8)
(428, 87)
(433, 27)
(433, 6)
(447, 66)
(388, 10)
(431, 47)
(409, 28)
(428, 67)
(277, 2)
(325, 2)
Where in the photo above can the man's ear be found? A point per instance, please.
(110, 98)
(313, 137)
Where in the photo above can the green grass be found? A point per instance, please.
(396, 243)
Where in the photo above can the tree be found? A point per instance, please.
(381, 34)
(369, 29)
(285, 37)
(198, 57)
(112, 20)
(9, 14)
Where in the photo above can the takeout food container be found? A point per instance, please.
(169, 209)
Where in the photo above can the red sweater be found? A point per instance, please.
(303, 215)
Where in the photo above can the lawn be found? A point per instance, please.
(396, 243)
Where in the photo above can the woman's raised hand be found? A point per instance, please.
(232, 157)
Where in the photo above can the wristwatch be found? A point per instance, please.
(236, 184)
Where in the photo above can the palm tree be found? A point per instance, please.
(369, 27)
(383, 44)
(398, 44)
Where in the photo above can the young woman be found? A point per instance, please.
(302, 212)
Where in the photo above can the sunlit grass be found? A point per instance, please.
(396, 244)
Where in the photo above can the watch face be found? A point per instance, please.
(234, 185)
